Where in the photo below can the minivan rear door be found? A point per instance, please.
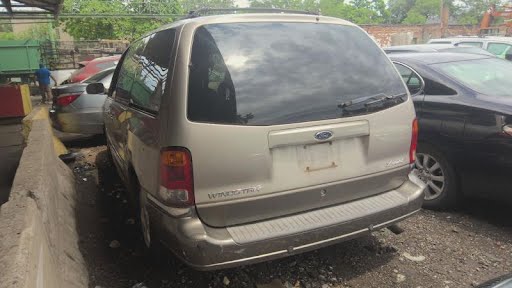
(286, 117)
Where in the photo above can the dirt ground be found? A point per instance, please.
(437, 249)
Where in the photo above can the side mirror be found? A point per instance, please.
(95, 88)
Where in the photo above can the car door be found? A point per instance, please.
(141, 130)
(108, 113)
(444, 115)
(116, 112)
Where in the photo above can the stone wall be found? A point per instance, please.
(391, 35)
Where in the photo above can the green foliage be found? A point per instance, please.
(129, 28)
(414, 17)
(359, 11)
(190, 5)
(304, 5)
(7, 36)
(89, 28)
(413, 11)
(472, 11)
(39, 32)
(398, 10)
(5, 27)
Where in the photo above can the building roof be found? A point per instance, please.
(29, 9)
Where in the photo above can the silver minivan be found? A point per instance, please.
(248, 137)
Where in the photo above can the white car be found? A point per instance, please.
(499, 46)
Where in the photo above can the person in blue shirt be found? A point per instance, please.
(43, 76)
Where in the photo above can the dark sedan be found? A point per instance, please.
(464, 107)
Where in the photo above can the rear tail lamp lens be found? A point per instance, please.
(507, 130)
(414, 142)
(176, 179)
(66, 100)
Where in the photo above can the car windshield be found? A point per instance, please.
(296, 73)
(489, 76)
(98, 77)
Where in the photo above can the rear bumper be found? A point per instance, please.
(207, 248)
(83, 122)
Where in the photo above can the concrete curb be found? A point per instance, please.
(39, 239)
(41, 113)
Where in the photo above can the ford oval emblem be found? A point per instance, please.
(323, 135)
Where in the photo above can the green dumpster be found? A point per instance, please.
(19, 58)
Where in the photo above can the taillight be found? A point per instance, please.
(414, 141)
(66, 100)
(507, 130)
(176, 179)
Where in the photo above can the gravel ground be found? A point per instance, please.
(437, 249)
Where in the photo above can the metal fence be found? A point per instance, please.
(68, 54)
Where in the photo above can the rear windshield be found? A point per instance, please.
(489, 76)
(278, 73)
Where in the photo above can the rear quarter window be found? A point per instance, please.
(278, 73)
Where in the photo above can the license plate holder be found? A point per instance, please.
(318, 157)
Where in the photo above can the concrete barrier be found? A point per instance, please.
(38, 231)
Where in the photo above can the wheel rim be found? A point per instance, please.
(144, 222)
(431, 173)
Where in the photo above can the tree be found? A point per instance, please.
(94, 28)
(428, 8)
(304, 5)
(398, 9)
(472, 11)
(7, 36)
(5, 27)
(40, 32)
(414, 17)
(359, 11)
(190, 5)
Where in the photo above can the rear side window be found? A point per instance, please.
(278, 73)
(411, 79)
(436, 88)
(143, 74)
(126, 73)
(153, 65)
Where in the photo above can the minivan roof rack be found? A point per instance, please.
(209, 11)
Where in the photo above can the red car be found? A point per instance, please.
(92, 67)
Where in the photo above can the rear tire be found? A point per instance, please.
(435, 170)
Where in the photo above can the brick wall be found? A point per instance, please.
(390, 35)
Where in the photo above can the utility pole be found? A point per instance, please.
(444, 16)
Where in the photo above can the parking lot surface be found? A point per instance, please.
(437, 249)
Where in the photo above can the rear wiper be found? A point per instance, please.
(371, 100)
